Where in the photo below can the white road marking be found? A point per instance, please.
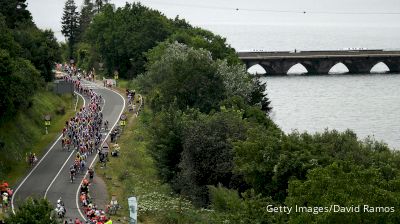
(91, 85)
(77, 99)
(54, 179)
(95, 158)
(34, 168)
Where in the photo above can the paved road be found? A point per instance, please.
(50, 178)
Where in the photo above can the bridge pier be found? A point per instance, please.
(393, 64)
(315, 67)
(280, 67)
(360, 66)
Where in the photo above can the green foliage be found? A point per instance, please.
(166, 143)
(346, 185)
(7, 40)
(70, 24)
(223, 199)
(209, 127)
(268, 160)
(40, 47)
(256, 157)
(237, 80)
(186, 76)
(14, 12)
(207, 156)
(247, 208)
(259, 95)
(98, 4)
(85, 18)
(18, 81)
(37, 211)
(24, 131)
(203, 39)
(193, 150)
(23, 50)
(123, 35)
(198, 38)
(86, 56)
(5, 63)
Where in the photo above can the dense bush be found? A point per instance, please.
(27, 56)
(18, 77)
(33, 211)
(122, 36)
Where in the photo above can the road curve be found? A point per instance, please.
(50, 178)
(37, 180)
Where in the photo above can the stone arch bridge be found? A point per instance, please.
(320, 62)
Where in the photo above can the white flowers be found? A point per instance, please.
(157, 202)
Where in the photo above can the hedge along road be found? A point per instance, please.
(51, 178)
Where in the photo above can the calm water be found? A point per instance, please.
(368, 104)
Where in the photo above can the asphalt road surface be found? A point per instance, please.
(50, 177)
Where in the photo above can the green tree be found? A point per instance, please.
(70, 24)
(237, 80)
(14, 11)
(86, 16)
(38, 46)
(259, 95)
(18, 82)
(200, 38)
(18, 77)
(256, 157)
(166, 142)
(7, 41)
(122, 36)
(185, 75)
(99, 4)
(207, 156)
(345, 185)
(33, 211)
(247, 207)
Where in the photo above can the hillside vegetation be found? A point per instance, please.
(25, 133)
(27, 57)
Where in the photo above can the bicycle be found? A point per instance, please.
(72, 176)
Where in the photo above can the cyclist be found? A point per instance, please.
(106, 125)
(60, 202)
(72, 173)
(91, 174)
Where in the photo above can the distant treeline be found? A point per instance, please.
(212, 139)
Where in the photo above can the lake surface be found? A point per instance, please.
(368, 104)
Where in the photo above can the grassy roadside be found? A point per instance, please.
(26, 132)
(134, 174)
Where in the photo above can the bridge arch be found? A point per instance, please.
(380, 67)
(338, 68)
(256, 69)
(296, 69)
